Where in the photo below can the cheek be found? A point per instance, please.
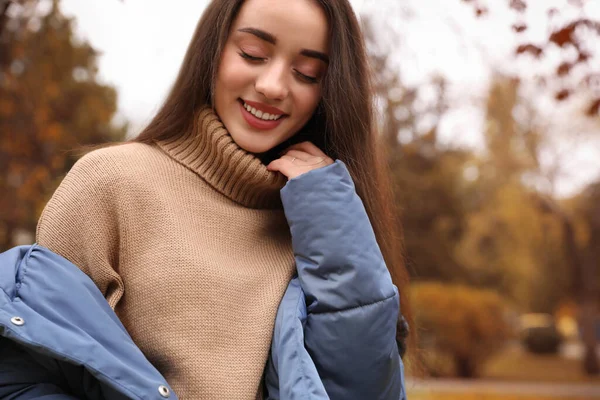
(232, 75)
(307, 100)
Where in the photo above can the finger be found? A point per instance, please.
(309, 148)
(276, 165)
(297, 162)
(316, 155)
(300, 155)
(291, 159)
(283, 166)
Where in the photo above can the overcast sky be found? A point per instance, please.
(143, 41)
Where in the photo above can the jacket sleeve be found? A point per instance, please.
(23, 377)
(80, 222)
(352, 305)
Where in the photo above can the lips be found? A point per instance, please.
(258, 123)
(264, 107)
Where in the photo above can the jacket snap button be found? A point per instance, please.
(164, 391)
(17, 321)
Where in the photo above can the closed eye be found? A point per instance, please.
(249, 57)
(306, 78)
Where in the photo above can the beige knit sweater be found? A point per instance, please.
(188, 243)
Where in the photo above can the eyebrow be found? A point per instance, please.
(267, 37)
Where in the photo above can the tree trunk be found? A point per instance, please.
(583, 269)
(465, 367)
(7, 241)
(589, 294)
(588, 333)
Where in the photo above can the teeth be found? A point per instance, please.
(260, 114)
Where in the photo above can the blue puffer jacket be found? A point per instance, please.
(334, 335)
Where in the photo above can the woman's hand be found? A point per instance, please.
(299, 159)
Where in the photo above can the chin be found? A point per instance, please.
(254, 145)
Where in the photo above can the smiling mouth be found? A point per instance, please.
(265, 116)
(259, 122)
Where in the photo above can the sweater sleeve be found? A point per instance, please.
(80, 222)
(352, 304)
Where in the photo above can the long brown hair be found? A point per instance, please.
(343, 125)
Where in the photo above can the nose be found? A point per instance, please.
(272, 82)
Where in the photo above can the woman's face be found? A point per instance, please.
(269, 77)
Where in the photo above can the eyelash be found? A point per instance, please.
(249, 57)
(306, 78)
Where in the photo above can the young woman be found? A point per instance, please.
(261, 165)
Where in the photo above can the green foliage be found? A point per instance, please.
(464, 324)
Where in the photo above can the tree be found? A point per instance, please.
(469, 325)
(585, 280)
(50, 104)
(575, 75)
(426, 175)
(509, 244)
(574, 36)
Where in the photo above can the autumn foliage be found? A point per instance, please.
(490, 218)
(464, 324)
(576, 38)
(50, 104)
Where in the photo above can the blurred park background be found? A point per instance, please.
(490, 110)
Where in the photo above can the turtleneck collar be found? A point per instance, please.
(209, 150)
